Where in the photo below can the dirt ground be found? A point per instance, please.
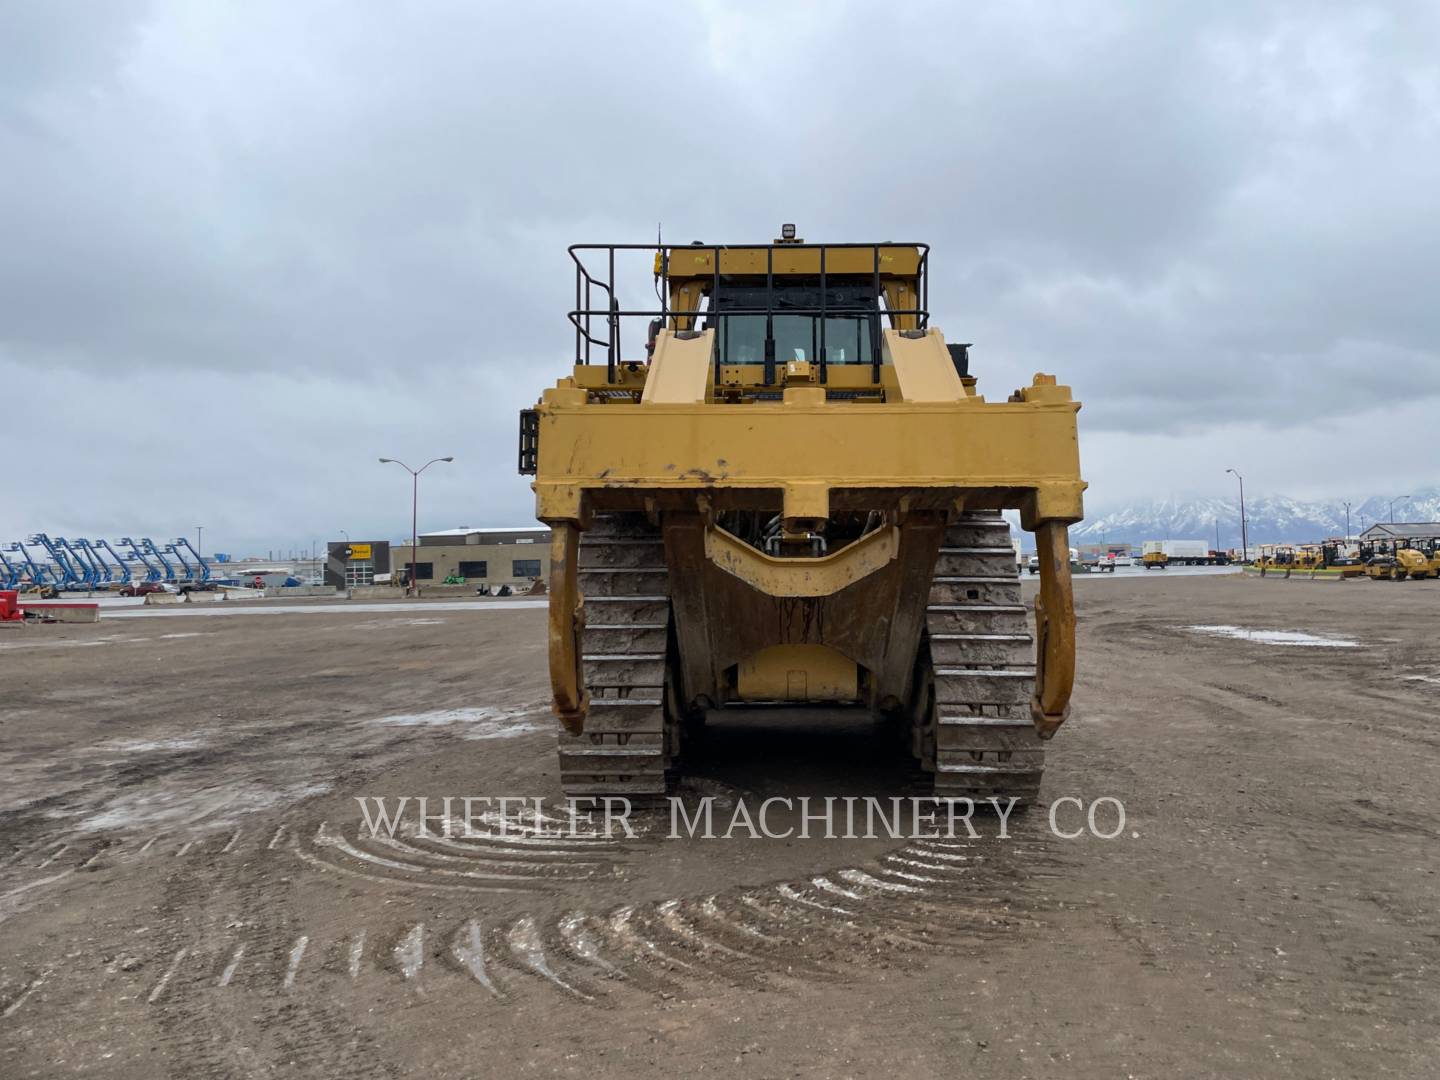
(186, 890)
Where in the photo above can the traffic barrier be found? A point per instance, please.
(300, 590)
(62, 613)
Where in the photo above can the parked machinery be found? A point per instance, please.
(67, 574)
(90, 574)
(34, 575)
(1412, 564)
(81, 564)
(1382, 568)
(10, 572)
(100, 574)
(198, 570)
(121, 574)
(153, 572)
(1307, 557)
(1176, 553)
(794, 496)
(1386, 562)
(156, 553)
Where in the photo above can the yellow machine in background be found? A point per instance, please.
(1400, 564)
(794, 497)
(1306, 557)
(1412, 564)
(1396, 563)
(1415, 563)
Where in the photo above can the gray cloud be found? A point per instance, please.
(264, 244)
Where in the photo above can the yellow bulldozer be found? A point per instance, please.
(794, 496)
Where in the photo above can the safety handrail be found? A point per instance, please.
(587, 284)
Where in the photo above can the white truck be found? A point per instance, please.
(1161, 553)
(1032, 563)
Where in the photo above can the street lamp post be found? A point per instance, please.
(414, 510)
(1347, 523)
(1244, 535)
(1398, 498)
(200, 540)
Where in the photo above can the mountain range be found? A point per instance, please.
(1270, 519)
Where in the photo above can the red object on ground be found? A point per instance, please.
(10, 606)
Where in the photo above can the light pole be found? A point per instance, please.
(414, 509)
(200, 540)
(1347, 523)
(1244, 536)
(1398, 498)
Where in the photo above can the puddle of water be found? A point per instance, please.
(483, 722)
(1275, 637)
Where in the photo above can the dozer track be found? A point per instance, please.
(976, 733)
(626, 749)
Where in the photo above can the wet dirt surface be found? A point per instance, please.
(186, 889)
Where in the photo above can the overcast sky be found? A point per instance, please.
(246, 249)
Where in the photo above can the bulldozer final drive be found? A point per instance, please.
(794, 496)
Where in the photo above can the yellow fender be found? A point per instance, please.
(567, 622)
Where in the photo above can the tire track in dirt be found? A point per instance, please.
(259, 969)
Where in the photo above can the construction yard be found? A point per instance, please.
(185, 889)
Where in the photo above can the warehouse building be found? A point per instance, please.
(489, 556)
(1386, 535)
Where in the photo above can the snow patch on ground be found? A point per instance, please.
(144, 746)
(343, 607)
(80, 644)
(1275, 637)
(388, 624)
(210, 807)
(483, 722)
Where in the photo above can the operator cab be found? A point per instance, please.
(846, 333)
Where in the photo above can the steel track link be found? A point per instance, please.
(977, 737)
(625, 749)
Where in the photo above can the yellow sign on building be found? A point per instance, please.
(359, 551)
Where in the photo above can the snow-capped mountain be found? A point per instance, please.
(1270, 519)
